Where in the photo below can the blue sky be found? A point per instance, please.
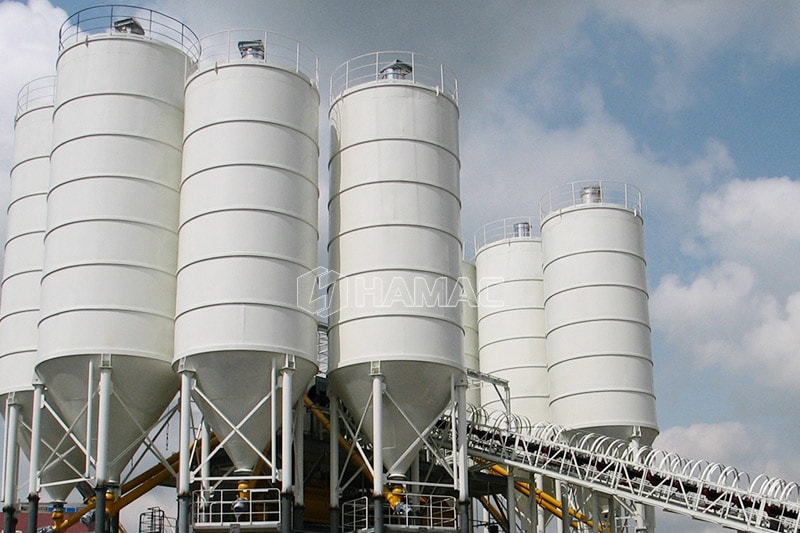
(693, 102)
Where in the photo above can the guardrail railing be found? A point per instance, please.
(506, 228)
(261, 46)
(589, 193)
(223, 507)
(128, 19)
(393, 67)
(36, 93)
(417, 511)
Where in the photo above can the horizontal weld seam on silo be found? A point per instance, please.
(12, 274)
(395, 314)
(25, 197)
(234, 63)
(31, 110)
(514, 338)
(138, 266)
(647, 358)
(313, 180)
(93, 135)
(115, 308)
(242, 209)
(586, 391)
(445, 231)
(19, 312)
(505, 241)
(252, 303)
(281, 125)
(144, 179)
(549, 296)
(28, 160)
(413, 140)
(12, 238)
(379, 182)
(241, 255)
(603, 318)
(508, 281)
(378, 83)
(496, 371)
(20, 351)
(489, 312)
(128, 220)
(593, 251)
(136, 96)
(442, 274)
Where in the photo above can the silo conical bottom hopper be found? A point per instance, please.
(234, 383)
(421, 389)
(64, 461)
(142, 390)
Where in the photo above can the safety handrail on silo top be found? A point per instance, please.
(37, 93)
(122, 18)
(266, 47)
(506, 228)
(586, 193)
(393, 67)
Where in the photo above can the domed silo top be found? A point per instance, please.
(379, 68)
(582, 194)
(244, 45)
(126, 20)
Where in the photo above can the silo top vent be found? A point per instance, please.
(252, 49)
(129, 25)
(396, 71)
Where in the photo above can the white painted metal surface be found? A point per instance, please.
(111, 244)
(248, 229)
(22, 273)
(469, 321)
(395, 220)
(596, 303)
(511, 321)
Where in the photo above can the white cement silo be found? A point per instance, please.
(511, 324)
(596, 302)
(22, 274)
(248, 230)
(395, 245)
(469, 321)
(108, 287)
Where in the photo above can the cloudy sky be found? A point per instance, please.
(694, 102)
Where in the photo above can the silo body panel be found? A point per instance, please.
(22, 273)
(248, 236)
(395, 246)
(511, 324)
(111, 245)
(469, 321)
(598, 337)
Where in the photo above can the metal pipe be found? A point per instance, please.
(287, 373)
(273, 419)
(511, 499)
(100, 509)
(205, 450)
(299, 468)
(103, 421)
(11, 464)
(333, 431)
(377, 451)
(184, 466)
(533, 509)
(36, 441)
(90, 418)
(463, 458)
(566, 522)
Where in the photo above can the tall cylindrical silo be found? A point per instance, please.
(395, 245)
(22, 274)
(469, 321)
(248, 229)
(511, 324)
(596, 302)
(108, 287)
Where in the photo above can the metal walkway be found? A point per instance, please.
(703, 490)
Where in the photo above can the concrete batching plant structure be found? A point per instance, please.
(163, 231)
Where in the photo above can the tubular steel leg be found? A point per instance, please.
(287, 496)
(100, 509)
(36, 440)
(11, 464)
(184, 487)
(377, 451)
(463, 459)
(334, 466)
